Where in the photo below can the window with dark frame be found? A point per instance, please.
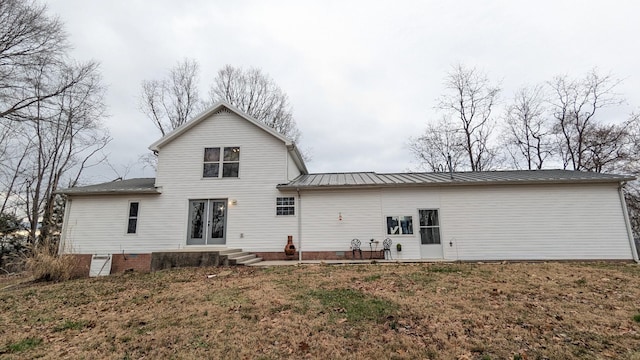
(285, 206)
(221, 162)
(132, 224)
(399, 225)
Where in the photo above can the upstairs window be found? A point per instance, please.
(285, 206)
(132, 224)
(221, 162)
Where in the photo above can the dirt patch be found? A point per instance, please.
(391, 311)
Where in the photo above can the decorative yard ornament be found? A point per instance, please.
(289, 249)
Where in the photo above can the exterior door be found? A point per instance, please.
(207, 220)
(217, 222)
(430, 242)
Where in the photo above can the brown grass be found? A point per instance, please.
(417, 311)
(44, 264)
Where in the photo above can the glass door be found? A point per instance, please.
(217, 212)
(207, 220)
(430, 243)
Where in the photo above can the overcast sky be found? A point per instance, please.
(362, 76)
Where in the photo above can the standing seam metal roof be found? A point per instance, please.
(372, 179)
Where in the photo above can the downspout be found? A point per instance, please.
(299, 226)
(625, 213)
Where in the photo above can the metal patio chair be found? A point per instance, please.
(386, 248)
(355, 246)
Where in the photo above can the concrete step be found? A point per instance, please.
(241, 259)
(238, 254)
(252, 261)
(229, 251)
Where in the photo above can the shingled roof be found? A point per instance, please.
(129, 186)
(375, 180)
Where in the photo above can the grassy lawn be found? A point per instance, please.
(390, 311)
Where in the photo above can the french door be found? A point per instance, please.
(207, 220)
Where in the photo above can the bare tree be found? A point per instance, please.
(609, 147)
(15, 150)
(576, 104)
(172, 101)
(527, 135)
(258, 95)
(632, 166)
(62, 136)
(470, 101)
(29, 38)
(439, 143)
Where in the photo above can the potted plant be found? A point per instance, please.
(399, 247)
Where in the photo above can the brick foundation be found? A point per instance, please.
(321, 255)
(119, 263)
(130, 262)
(82, 265)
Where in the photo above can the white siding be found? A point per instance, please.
(322, 229)
(531, 222)
(573, 221)
(292, 169)
(534, 222)
(251, 223)
(406, 202)
(97, 223)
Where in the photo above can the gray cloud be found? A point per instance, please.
(362, 77)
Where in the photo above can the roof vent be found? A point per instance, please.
(223, 110)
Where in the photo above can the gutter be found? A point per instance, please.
(297, 158)
(625, 213)
(445, 183)
(72, 192)
(299, 226)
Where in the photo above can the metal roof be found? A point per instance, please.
(129, 186)
(375, 180)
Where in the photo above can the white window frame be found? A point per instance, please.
(221, 162)
(129, 217)
(290, 205)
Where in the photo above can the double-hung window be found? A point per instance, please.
(285, 206)
(132, 223)
(221, 162)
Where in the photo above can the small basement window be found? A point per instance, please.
(132, 224)
(285, 206)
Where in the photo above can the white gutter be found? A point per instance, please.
(299, 226)
(625, 213)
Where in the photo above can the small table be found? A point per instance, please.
(371, 249)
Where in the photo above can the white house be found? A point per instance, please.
(224, 180)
